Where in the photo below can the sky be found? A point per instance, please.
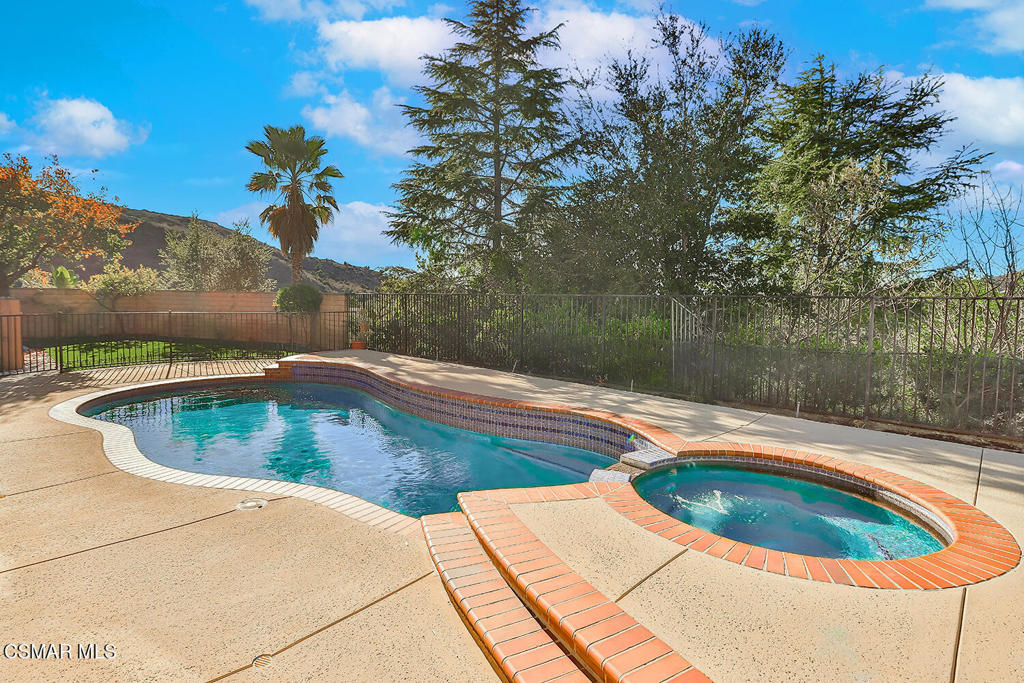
(161, 97)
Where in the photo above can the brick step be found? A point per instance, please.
(517, 646)
(608, 643)
(277, 372)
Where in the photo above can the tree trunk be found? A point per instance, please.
(297, 259)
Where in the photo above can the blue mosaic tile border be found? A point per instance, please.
(514, 422)
(839, 480)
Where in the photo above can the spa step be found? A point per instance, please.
(608, 643)
(517, 646)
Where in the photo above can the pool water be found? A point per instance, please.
(342, 439)
(783, 513)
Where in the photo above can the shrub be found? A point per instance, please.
(37, 277)
(63, 278)
(300, 298)
(116, 281)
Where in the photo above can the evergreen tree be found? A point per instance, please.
(242, 262)
(482, 182)
(197, 260)
(189, 259)
(854, 210)
(666, 155)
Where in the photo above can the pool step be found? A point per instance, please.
(608, 643)
(277, 372)
(518, 647)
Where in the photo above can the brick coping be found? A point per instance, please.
(518, 647)
(122, 452)
(602, 637)
(978, 547)
(662, 438)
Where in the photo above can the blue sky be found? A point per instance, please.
(162, 96)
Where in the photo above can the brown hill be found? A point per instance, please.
(327, 275)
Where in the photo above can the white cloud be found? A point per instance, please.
(988, 109)
(296, 10)
(392, 45)
(304, 84)
(81, 126)
(1005, 27)
(590, 36)
(278, 10)
(251, 212)
(962, 4)
(1009, 170)
(379, 126)
(6, 124)
(356, 234)
(998, 23)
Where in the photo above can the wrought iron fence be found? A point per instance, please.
(59, 341)
(952, 363)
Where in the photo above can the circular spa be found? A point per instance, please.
(339, 438)
(766, 506)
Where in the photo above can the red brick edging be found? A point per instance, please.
(517, 646)
(981, 547)
(609, 643)
(662, 438)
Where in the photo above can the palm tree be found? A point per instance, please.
(303, 201)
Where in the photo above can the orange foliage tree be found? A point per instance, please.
(44, 215)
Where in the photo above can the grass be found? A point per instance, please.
(94, 354)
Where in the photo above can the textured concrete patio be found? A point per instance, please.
(187, 587)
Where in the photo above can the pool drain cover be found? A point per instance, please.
(262, 660)
(253, 504)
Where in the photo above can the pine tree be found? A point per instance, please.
(483, 180)
(831, 140)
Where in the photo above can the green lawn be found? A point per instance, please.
(91, 354)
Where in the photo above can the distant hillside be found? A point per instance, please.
(326, 275)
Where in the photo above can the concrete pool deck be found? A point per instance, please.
(189, 588)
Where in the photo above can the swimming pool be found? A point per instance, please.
(783, 513)
(338, 438)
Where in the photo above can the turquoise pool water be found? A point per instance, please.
(783, 513)
(339, 438)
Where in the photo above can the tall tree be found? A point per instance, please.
(44, 216)
(301, 187)
(667, 147)
(189, 259)
(831, 141)
(483, 180)
(243, 261)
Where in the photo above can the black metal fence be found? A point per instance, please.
(952, 363)
(70, 341)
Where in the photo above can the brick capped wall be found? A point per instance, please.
(80, 301)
